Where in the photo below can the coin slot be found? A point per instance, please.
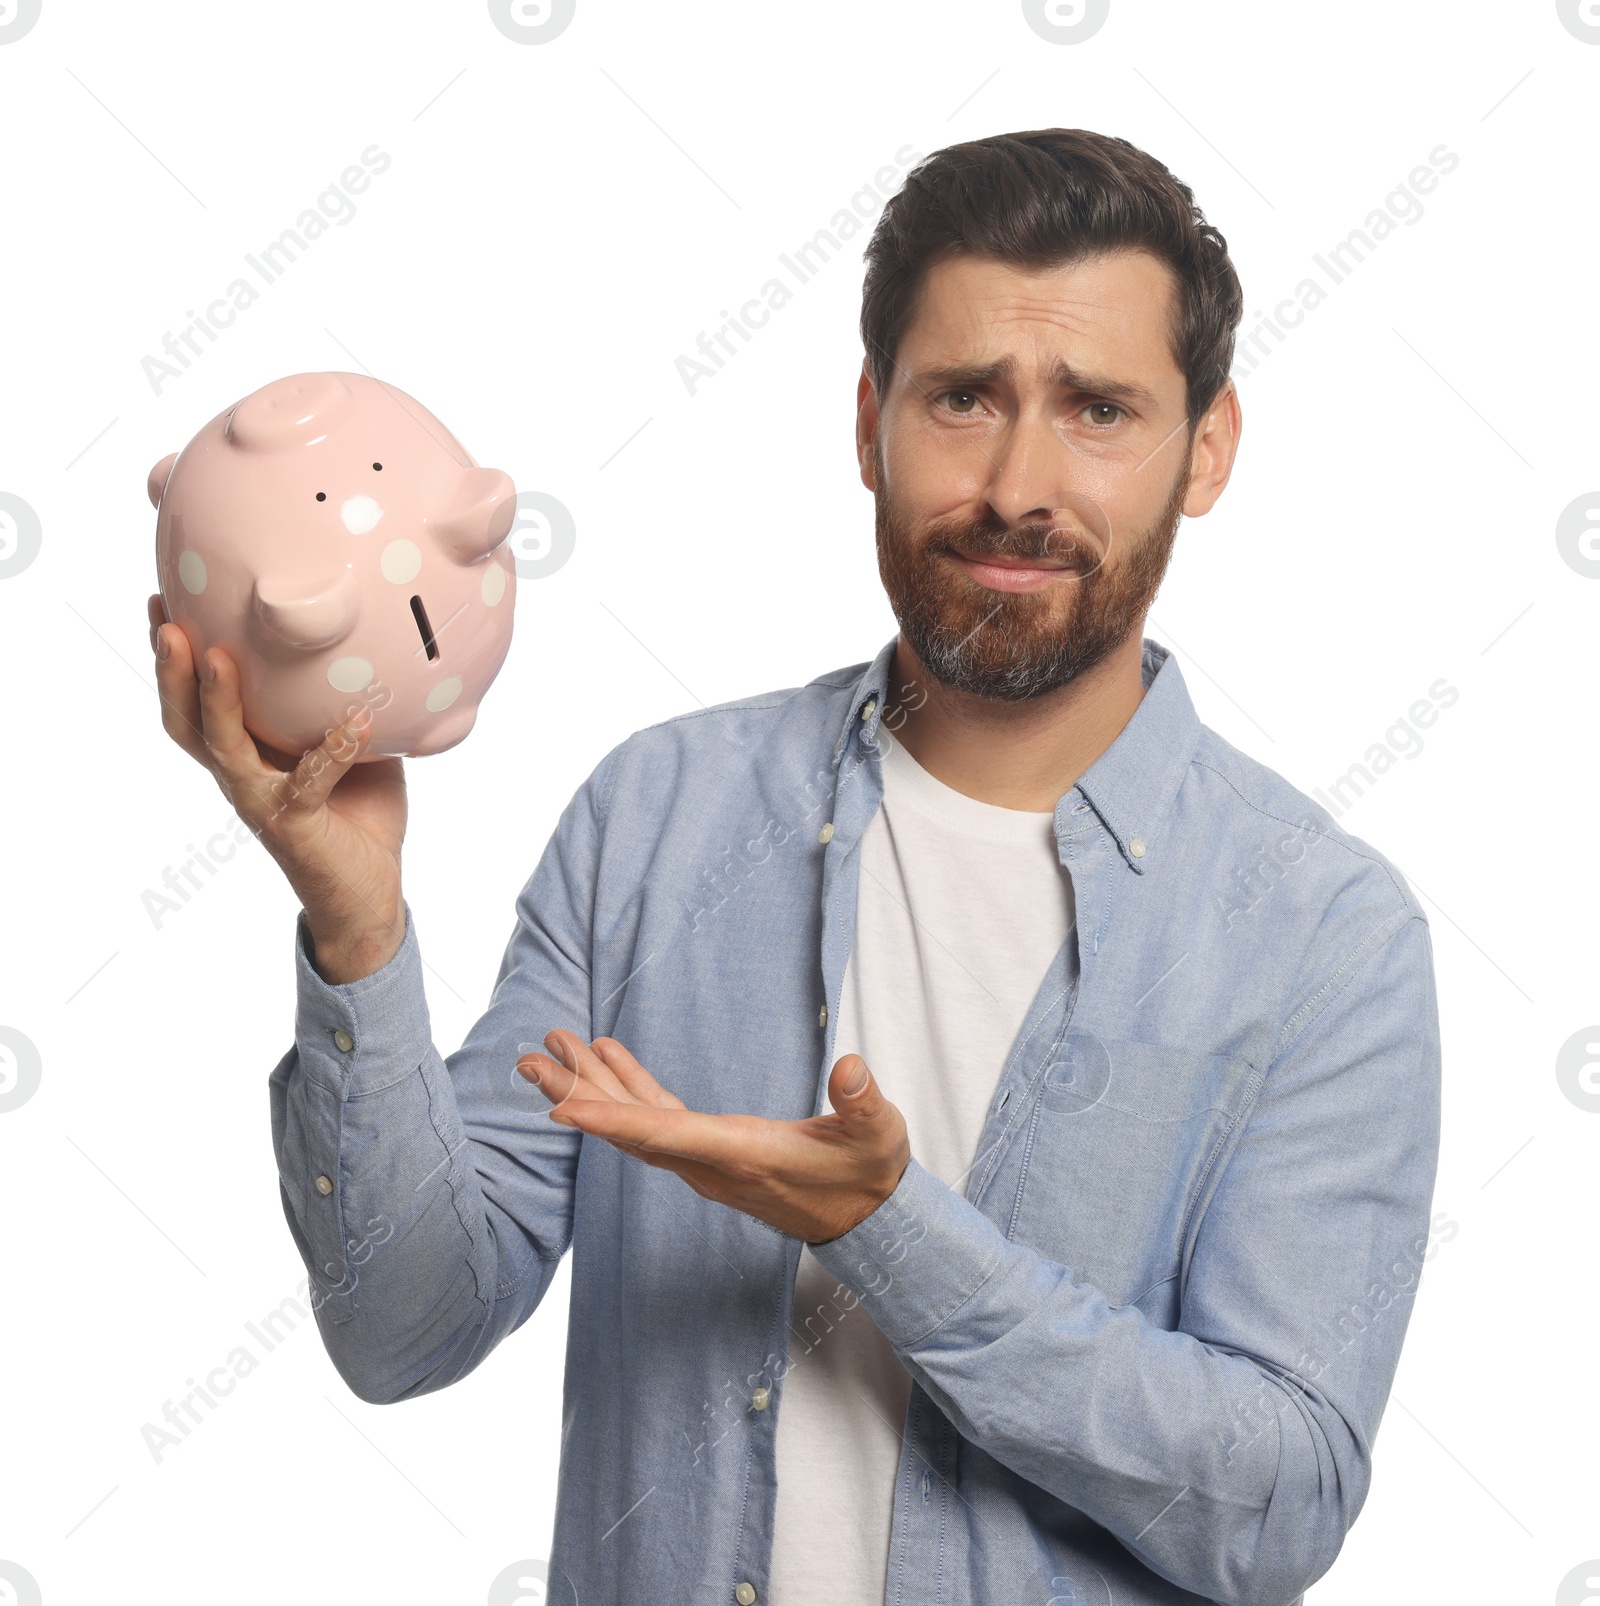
(424, 628)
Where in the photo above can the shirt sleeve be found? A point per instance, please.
(1231, 1455)
(431, 1198)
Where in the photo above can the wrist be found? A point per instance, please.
(344, 956)
(870, 1205)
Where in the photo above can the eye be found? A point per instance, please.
(322, 496)
(962, 412)
(378, 467)
(1096, 408)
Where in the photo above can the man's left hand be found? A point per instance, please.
(814, 1179)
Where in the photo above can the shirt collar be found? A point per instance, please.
(1130, 787)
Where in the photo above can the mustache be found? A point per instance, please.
(1037, 542)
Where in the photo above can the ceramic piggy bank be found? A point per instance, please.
(335, 538)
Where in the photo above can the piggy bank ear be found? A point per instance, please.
(478, 515)
(157, 482)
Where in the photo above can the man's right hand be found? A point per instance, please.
(334, 826)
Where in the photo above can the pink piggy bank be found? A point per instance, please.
(335, 538)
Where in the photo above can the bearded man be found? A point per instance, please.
(994, 1119)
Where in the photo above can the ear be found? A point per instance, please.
(478, 515)
(157, 482)
(866, 428)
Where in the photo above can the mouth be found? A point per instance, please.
(999, 573)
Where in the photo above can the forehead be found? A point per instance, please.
(1117, 308)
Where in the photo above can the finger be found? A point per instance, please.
(549, 1075)
(233, 752)
(633, 1076)
(743, 1146)
(871, 1132)
(583, 1062)
(854, 1093)
(306, 786)
(157, 612)
(557, 1081)
(180, 692)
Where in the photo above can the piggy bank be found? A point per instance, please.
(338, 541)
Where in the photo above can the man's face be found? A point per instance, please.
(1029, 463)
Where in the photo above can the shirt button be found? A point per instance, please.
(760, 1399)
(869, 708)
(824, 835)
(1136, 846)
(324, 1186)
(822, 1016)
(745, 1594)
(343, 1041)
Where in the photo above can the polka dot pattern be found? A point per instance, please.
(192, 571)
(494, 582)
(400, 561)
(445, 693)
(353, 674)
(359, 514)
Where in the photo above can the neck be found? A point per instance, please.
(1021, 755)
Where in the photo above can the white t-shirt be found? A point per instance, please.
(961, 907)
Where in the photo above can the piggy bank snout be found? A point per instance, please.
(478, 515)
(290, 412)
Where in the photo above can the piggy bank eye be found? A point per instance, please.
(322, 496)
(378, 466)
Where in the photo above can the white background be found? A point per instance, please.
(558, 224)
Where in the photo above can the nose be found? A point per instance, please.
(1033, 472)
(1038, 477)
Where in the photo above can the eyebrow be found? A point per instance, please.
(1061, 376)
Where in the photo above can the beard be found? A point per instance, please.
(1012, 645)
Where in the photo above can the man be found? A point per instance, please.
(1091, 1284)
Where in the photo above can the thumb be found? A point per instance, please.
(852, 1090)
(325, 765)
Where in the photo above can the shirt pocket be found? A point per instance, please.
(1123, 1137)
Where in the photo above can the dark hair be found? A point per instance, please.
(1043, 199)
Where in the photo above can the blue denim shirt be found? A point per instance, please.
(1150, 1340)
